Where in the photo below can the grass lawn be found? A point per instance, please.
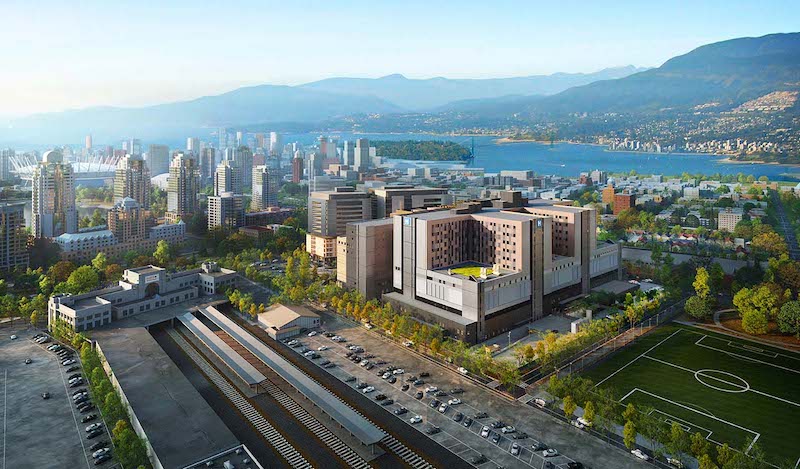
(728, 389)
(467, 270)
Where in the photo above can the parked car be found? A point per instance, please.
(495, 438)
(515, 449)
(404, 387)
(380, 397)
(400, 411)
(574, 465)
(550, 452)
(93, 426)
(456, 391)
(424, 374)
(454, 401)
(419, 382)
(28, 361)
(73, 368)
(640, 454)
(362, 385)
(434, 403)
(539, 446)
(481, 415)
(76, 383)
(312, 333)
(443, 408)
(508, 429)
(68, 362)
(458, 416)
(418, 395)
(387, 402)
(81, 399)
(584, 422)
(98, 445)
(478, 460)
(94, 434)
(432, 430)
(539, 402)
(76, 375)
(45, 395)
(398, 371)
(350, 379)
(100, 452)
(415, 419)
(431, 389)
(368, 389)
(102, 459)
(467, 422)
(485, 431)
(519, 436)
(329, 365)
(87, 408)
(498, 424)
(88, 418)
(322, 348)
(675, 463)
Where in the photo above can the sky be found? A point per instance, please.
(69, 54)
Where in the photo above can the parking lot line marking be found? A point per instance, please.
(77, 427)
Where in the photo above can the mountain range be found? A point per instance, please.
(714, 77)
(308, 103)
(718, 76)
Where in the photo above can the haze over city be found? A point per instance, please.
(382, 235)
(61, 55)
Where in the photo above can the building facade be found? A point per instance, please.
(357, 265)
(390, 199)
(328, 216)
(13, 238)
(158, 159)
(53, 208)
(132, 180)
(266, 184)
(182, 188)
(225, 211)
(142, 289)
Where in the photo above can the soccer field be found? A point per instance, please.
(731, 390)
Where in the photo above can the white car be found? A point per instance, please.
(309, 353)
(454, 401)
(584, 422)
(100, 452)
(515, 449)
(68, 362)
(399, 371)
(462, 370)
(639, 454)
(13, 337)
(368, 389)
(443, 408)
(93, 427)
(508, 429)
(291, 342)
(484, 431)
(549, 453)
(322, 348)
(386, 375)
(431, 389)
(312, 333)
(415, 419)
(675, 463)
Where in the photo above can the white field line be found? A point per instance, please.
(757, 435)
(640, 356)
(689, 425)
(794, 356)
(727, 382)
(744, 357)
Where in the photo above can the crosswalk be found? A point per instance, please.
(275, 439)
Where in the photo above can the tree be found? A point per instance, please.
(629, 434)
(589, 411)
(702, 283)
(163, 253)
(569, 406)
(770, 242)
(724, 455)
(698, 308)
(755, 322)
(789, 318)
(699, 445)
(82, 280)
(678, 442)
(60, 271)
(630, 413)
(706, 462)
(34, 319)
(100, 261)
(113, 272)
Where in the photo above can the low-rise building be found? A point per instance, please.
(281, 321)
(728, 218)
(141, 289)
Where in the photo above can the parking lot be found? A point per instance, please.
(39, 432)
(465, 441)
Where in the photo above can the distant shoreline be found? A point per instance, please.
(773, 163)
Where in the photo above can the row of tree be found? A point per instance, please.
(129, 449)
(602, 410)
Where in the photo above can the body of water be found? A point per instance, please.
(567, 159)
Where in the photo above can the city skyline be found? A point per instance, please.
(165, 45)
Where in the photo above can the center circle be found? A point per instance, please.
(709, 375)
